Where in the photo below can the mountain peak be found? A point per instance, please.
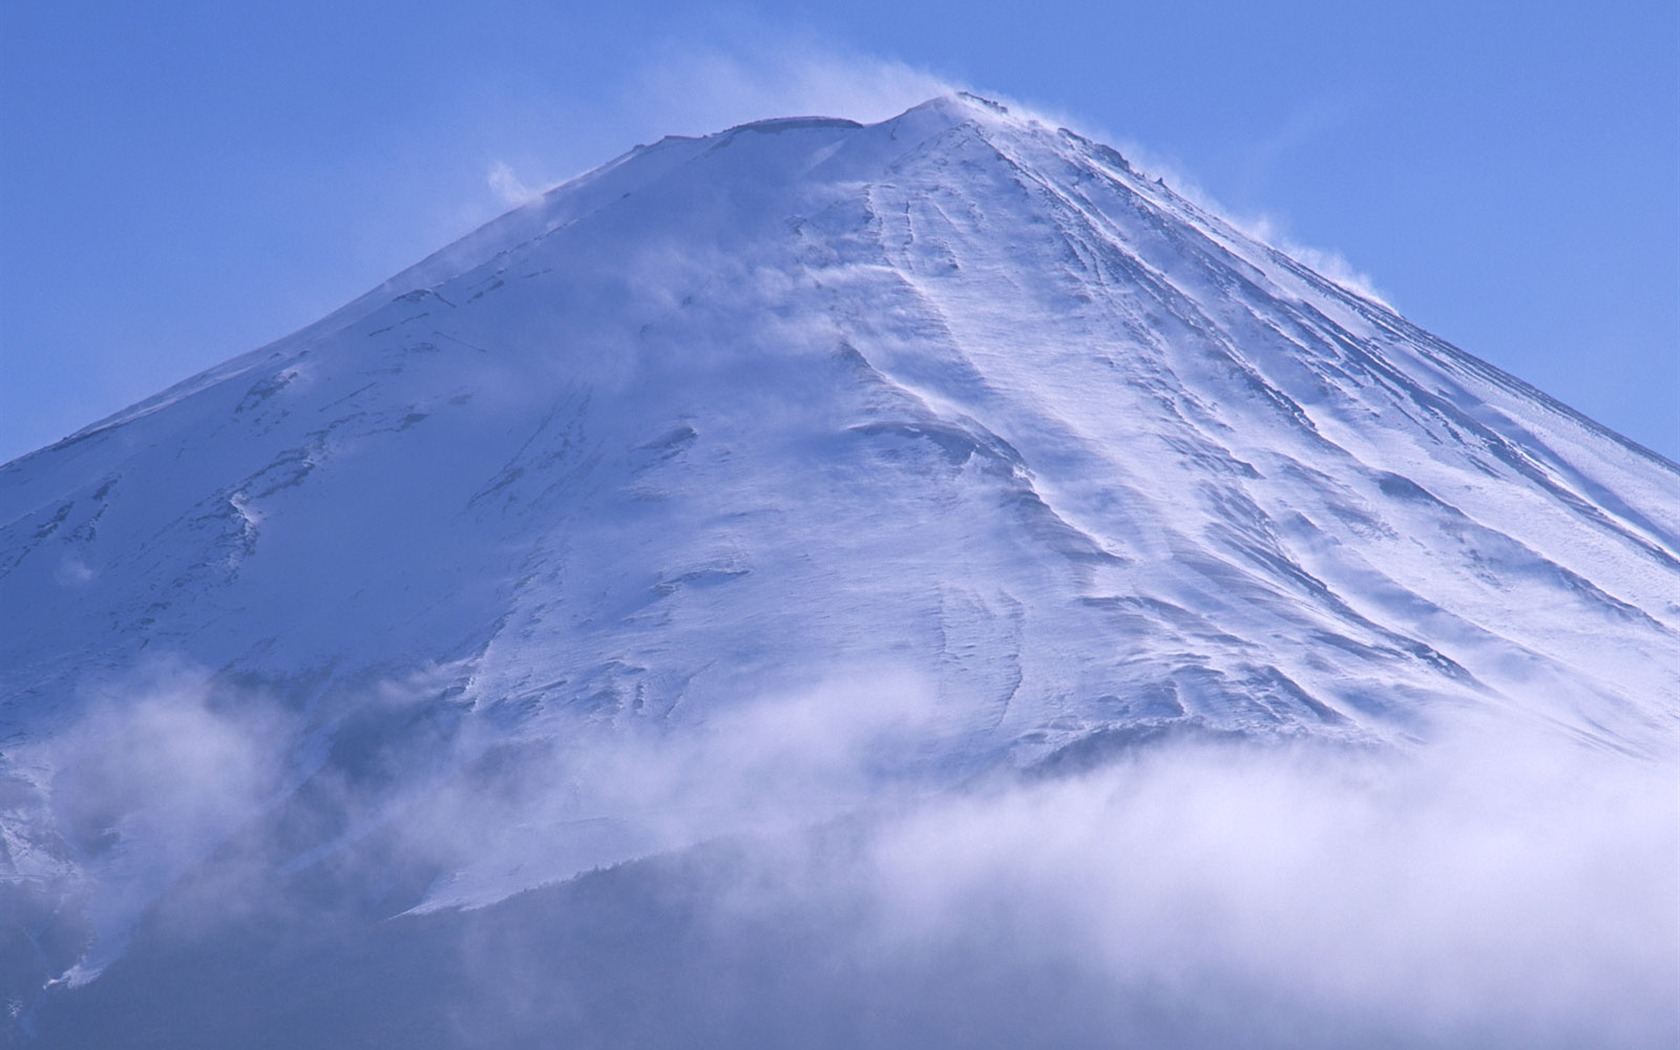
(979, 450)
(963, 104)
(959, 108)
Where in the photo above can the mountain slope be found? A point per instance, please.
(811, 464)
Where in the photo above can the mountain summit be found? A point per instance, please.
(952, 444)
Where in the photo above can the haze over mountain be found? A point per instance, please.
(801, 483)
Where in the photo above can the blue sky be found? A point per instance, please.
(180, 182)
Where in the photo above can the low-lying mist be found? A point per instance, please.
(804, 880)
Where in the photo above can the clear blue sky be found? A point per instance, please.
(180, 182)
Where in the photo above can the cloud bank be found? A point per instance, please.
(1496, 888)
(1487, 892)
(808, 873)
(156, 773)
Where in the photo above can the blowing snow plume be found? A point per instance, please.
(755, 532)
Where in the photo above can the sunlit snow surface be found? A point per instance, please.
(754, 480)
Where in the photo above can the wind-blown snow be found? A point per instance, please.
(950, 443)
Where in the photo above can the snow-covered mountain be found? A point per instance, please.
(752, 479)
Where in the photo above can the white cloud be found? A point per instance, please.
(507, 187)
(74, 572)
(1494, 887)
(772, 764)
(1490, 890)
(1326, 263)
(1496, 884)
(158, 770)
(1483, 884)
